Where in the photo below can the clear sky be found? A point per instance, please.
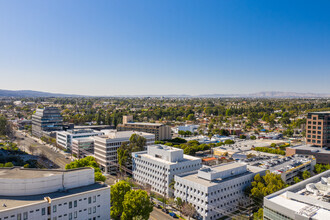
(121, 47)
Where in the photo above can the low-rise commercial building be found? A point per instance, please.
(308, 199)
(322, 155)
(161, 131)
(191, 128)
(105, 147)
(52, 194)
(82, 147)
(216, 191)
(65, 138)
(287, 167)
(157, 166)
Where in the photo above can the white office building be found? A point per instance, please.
(308, 199)
(65, 138)
(191, 128)
(29, 194)
(105, 147)
(157, 166)
(216, 191)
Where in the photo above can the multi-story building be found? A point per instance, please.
(105, 147)
(52, 195)
(82, 147)
(157, 166)
(65, 138)
(322, 155)
(191, 128)
(216, 191)
(287, 167)
(318, 129)
(308, 199)
(161, 131)
(46, 120)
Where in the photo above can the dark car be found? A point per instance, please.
(173, 215)
(165, 210)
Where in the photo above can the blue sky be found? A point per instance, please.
(121, 47)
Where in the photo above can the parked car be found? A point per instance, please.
(173, 215)
(165, 210)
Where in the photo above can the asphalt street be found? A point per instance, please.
(56, 159)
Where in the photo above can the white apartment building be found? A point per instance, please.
(157, 166)
(29, 194)
(105, 147)
(64, 138)
(216, 191)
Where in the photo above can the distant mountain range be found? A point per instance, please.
(31, 93)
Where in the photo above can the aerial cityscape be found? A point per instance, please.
(156, 110)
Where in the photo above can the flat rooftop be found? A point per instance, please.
(193, 176)
(326, 112)
(121, 134)
(185, 158)
(144, 123)
(308, 198)
(311, 148)
(26, 173)
(281, 164)
(17, 201)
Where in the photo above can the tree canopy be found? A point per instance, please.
(127, 204)
(136, 205)
(87, 162)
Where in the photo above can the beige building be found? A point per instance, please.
(161, 131)
(106, 146)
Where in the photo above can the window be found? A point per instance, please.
(25, 216)
(70, 216)
(89, 210)
(94, 199)
(19, 216)
(75, 214)
(89, 200)
(54, 208)
(43, 211)
(70, 205)
(94, 209)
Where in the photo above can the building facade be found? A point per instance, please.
(216, 191)
(322, 155)
(46, 120)
(318, 129)
(82, 147)
(161, 131)
(308, 199)
(105, 148)
(157, 166)
(28, 194)
(65, 138)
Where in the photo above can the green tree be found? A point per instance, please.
(265, 185)
(136, 205)
(296, 179)
(118, 192)
(87, 162)
(253, 137)
(306, 174)
(9, 164)
(259, 215)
